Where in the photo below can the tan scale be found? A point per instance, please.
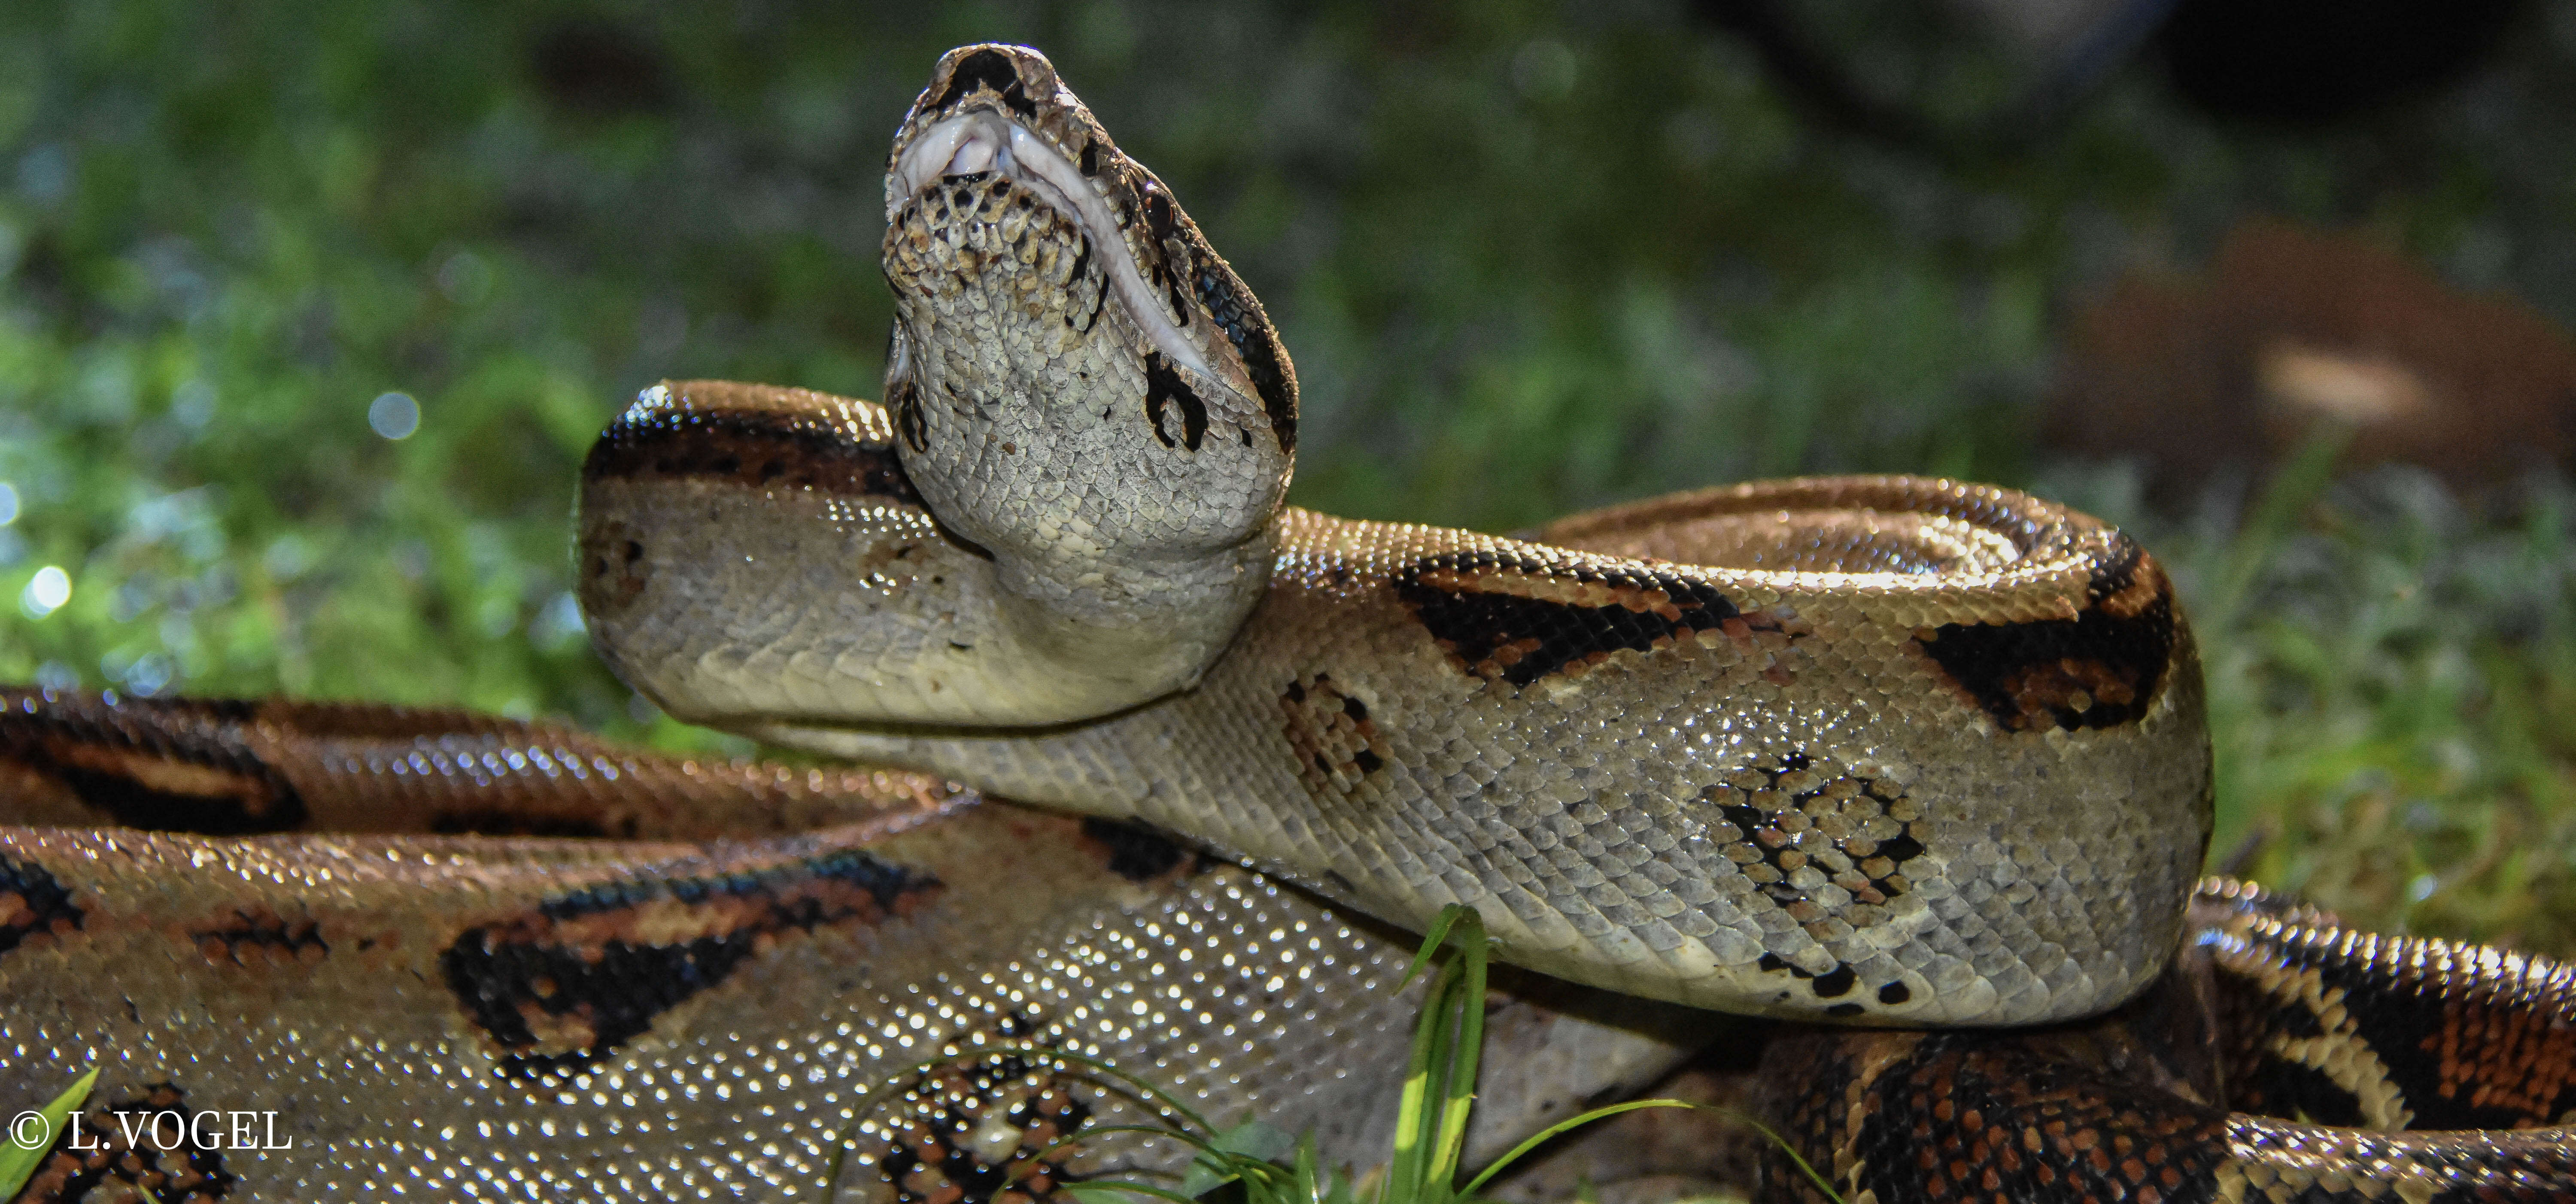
(1089, 435)
(328, 981)
(1875, 749)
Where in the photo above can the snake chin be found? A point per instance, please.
(983, 144)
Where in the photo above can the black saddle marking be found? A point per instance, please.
(166, 774)
(764, 449)
(1502, 633)
(577, 966)
(2463, 1053)
(905, 401)
(2100, 669)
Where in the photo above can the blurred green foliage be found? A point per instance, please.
(1529, 257)
(2393, 705)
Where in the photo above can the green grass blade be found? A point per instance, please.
(1234, 1154)
(1307, 1184)
(1415, 1124)
(1466, 1036)
(832, 1168)
(1262, 1179)
(18, 1163)
(1432, 939)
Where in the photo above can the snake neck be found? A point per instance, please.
(1887, 751)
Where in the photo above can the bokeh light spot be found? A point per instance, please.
(394, 415)
(46, 591)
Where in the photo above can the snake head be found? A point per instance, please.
(1080, 385)
(997, 116)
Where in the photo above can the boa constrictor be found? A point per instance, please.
(1875, 751)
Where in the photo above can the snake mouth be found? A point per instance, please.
(980, 142)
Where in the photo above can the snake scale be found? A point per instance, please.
(1916, 766)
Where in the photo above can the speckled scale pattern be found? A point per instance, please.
(1452, 769)
(1877, 750)
(2177, 1097)
(1882, 750)
(802, 444)
(2392, 1032)
(1091, 530)
(1103, 607)
(539, 1018)
(244, 767)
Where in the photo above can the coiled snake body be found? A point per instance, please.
(1878, 751)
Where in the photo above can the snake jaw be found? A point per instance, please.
(1082, 390)
(982, 141)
